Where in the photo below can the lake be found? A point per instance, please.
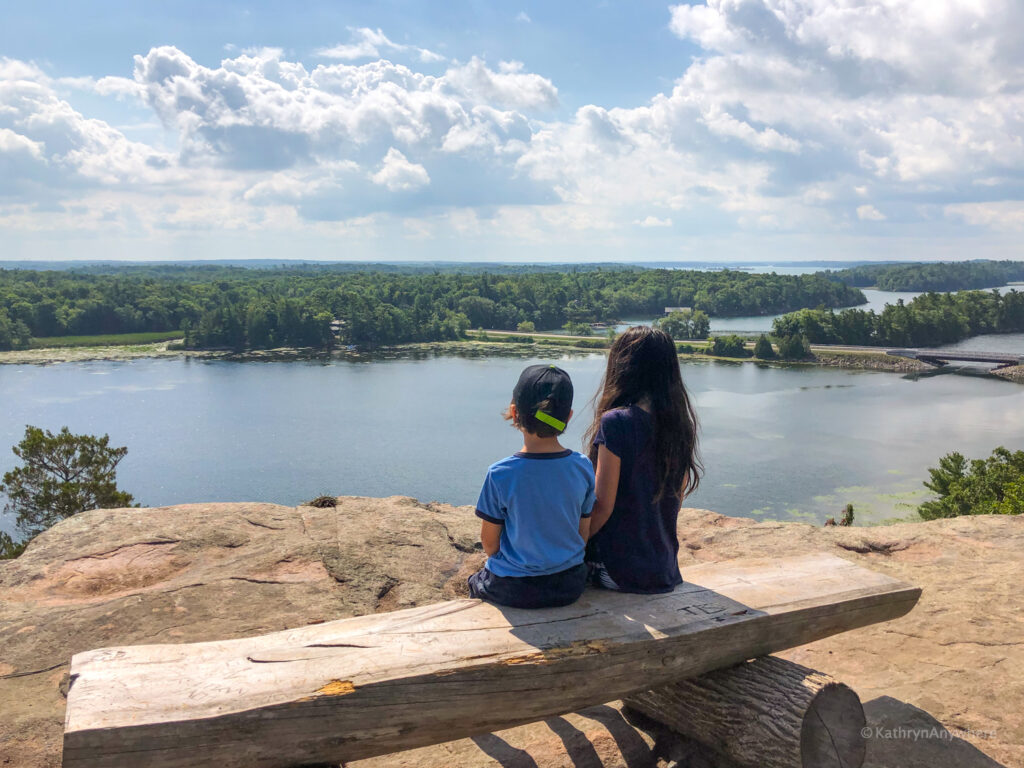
(778, 442)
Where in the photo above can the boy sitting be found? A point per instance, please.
(535, 505)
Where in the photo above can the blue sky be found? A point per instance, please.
(731, 130)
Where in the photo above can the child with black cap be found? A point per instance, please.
(535, 505)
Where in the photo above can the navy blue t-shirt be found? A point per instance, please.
(638, 545)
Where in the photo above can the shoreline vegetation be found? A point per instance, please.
(925, 277)
(244, 309)
(115, 312)
(477, 344)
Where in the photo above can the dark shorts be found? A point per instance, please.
(550, 591)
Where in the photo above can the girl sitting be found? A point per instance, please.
(643, 444)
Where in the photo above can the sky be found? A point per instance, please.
(731, 130)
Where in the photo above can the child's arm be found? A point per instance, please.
(585, 528)
(490, 537)
(608, 466)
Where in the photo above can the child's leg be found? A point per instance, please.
(549, 591)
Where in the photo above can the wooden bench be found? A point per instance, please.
(372, 685)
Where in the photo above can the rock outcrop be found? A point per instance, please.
(943, 686)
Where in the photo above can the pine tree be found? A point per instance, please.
(763, 348)
(62, 474)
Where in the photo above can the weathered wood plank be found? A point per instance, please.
(377, 684)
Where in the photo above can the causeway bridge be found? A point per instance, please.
(939, 357)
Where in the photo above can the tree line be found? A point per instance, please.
(947, 276)
(929, 320)
(263, 308)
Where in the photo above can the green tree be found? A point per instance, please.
(676, 324)
(14, 334)
(794, 347)
(578, 329)
(685, 324)
(10, 549)
(728, 346)
(763, 349)
(700, 325)
(992, 486)
(527, 326)
(61, 475)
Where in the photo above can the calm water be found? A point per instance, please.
(787, 443)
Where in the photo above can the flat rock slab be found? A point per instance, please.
(956, 661)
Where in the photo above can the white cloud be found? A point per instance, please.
(794, 103)
(50, 149)
(398, 174)
(1005, 215)
(794, 115)
(259, 112)
(869, 213)
(509, 87)
(654, 221)
(523, 17)
(372, 44)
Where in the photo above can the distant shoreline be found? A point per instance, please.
(848, 359)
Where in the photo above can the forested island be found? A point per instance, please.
(940, 276)
(236, 308)
(929, 320)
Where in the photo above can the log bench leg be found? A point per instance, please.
(765, 713)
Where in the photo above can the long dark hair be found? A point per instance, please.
(643, 363)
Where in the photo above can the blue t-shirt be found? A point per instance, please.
(638, 545)
(538, 499)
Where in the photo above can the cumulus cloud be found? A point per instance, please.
(258, 112)
(908, 89)
(794, 104)
(795, 115)
(509, 87)
(50, 148)
(398, 174)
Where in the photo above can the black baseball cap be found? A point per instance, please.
(538, 383)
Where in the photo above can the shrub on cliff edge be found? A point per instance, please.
(62, 474)
(992, 486)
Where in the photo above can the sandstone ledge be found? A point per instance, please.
(211, 571)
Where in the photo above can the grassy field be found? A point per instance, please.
(110, 340)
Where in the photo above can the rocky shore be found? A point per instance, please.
(1012, 373)
(869, 361)
(942, 687)
(81, 354)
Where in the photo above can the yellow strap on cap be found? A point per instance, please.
(550, 420)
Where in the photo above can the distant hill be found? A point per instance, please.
(934, 276)
(407, 267)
